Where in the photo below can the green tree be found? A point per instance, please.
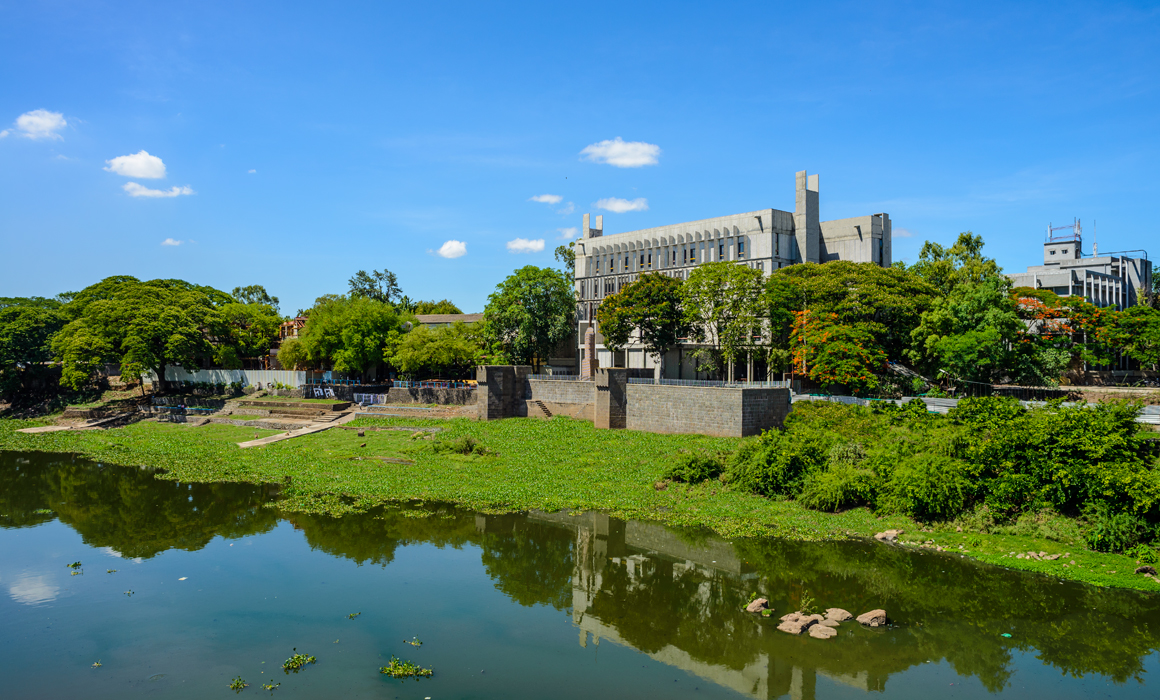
(962, 263)
(884, 304)
(26, 330)
(566, 254)
(1137, 332)
(975, 335)
(255, 294)
(438, 352)
(723, 306)
(529, 314)
(380, 285)
(650, 307)
(253, 327)
(352, 334)
(443, 306)
(835, 353)
(146, 326)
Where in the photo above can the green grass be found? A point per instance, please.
(529, 464)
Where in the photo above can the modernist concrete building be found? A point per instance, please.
(766, 239)
(1115, 280)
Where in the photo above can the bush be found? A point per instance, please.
(694, 467)
(928, 487)
(1110, 531)
(839, 486)
(465, 445)
(779, 462)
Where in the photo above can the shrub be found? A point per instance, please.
(694, 467)
(839, 486)
(928, 487)
(779, 462)
(1111, 531)
(465, 445)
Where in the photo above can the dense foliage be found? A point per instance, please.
(1092, 462)
(650, 308)
(528, 315)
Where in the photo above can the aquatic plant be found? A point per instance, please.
(97, 664)
(110, 571)
(237, 684)
(414, 642)
(398, 668)
(270, 686)
(74, 565)
(353, 615)
(297, 662)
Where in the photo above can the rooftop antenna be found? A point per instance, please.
(1095, 239)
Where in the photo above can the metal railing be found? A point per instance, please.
(712, 383)
(556, 377)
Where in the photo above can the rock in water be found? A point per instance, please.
(757, 605)
(822, 632)
(829, 623)
(1146, 570)
(837, 614)
(888, 536)
(874, 618)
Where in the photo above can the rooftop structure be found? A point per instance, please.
(1115, 280)
(437, 320)
(765, 239)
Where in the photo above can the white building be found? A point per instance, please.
(766, 239)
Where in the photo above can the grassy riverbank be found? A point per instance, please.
(522, 464)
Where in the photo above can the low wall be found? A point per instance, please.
(394, 394)
(720, 411)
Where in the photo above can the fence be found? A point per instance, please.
(557, 377)
(713, 382)
(247, 377)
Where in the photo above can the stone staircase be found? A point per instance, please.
(543, 410)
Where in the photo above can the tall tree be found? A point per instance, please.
(352, 334)
(723, 306)
(566, 254)
(651, 307)
(146, 326)
(380, 285)
(529, 313)
(834, 353)
(962, 263)
(438, 352)
(255, 294)
(26, 330)
(444, 306)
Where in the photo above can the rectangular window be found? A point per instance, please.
(740, 248)
(685, 256)
(642, 261)
(626, 263)
(720, 251)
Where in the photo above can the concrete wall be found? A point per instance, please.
(561, 398)
(720, 411)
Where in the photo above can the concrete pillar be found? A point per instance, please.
(806, 222)
(611, 398)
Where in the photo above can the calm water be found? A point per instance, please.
(512, 606)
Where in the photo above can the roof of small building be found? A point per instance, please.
(449, 318)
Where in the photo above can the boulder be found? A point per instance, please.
(829, 623)
(791, 617)
(757, 605)
(797, 626)
(837, 614)
(874, 618)
(1150, 570)
(822, 632)
(888, 535)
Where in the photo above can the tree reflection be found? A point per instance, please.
(127, 509)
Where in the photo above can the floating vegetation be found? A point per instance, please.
(110, 571)
(353, 615)
(78, 572)
(398, 668)
(129, 593)
(97, 664)
(270, 686)
(74, 565)
(237, 684)
(414, 642)
(43, 511)
(296, 662)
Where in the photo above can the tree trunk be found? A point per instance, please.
(159, 386)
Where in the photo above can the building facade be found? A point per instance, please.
(766, 239)
(1116, 280)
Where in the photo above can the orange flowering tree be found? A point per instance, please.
(832, 353)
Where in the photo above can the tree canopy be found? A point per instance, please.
(651, 307)
(723, 307)
(352, 334)
(529, 313)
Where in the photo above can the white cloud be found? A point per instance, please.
(252, 171)
(523, 245)
(32, 590)
(171, 241)
(41, 124)
(622, 154)
(568, 209)
(136, 190)
(618, 205)
(139, 164)
(900, 233)
(3, 133)
(569, 233)
(452, 249)
(547, 199)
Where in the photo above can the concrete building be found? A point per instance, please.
(766, 239)
(1115, 280)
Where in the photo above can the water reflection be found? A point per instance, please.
(674, 595)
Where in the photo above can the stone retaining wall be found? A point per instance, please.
(720, 411)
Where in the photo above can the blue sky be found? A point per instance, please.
(299, 142)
